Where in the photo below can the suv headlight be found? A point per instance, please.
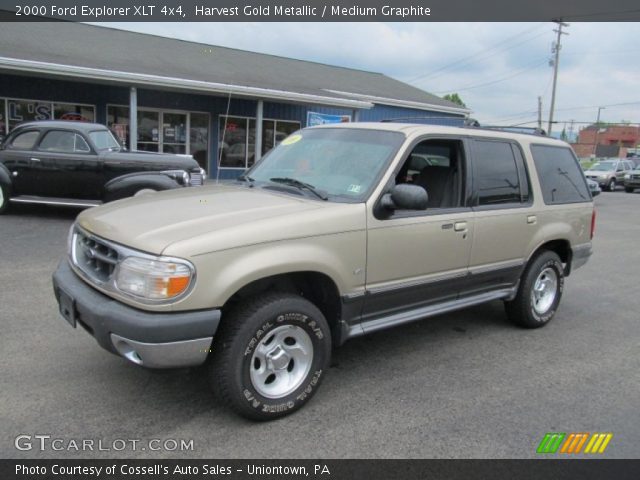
(152, 279)
(627, 176)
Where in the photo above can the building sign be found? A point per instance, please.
(314, 118)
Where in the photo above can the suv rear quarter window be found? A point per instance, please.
(561, 178)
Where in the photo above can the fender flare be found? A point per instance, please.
(127, 185)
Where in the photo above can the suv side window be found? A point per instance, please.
(497, 177)
(561, 178)
(437, 166)
(64, 142)
(24, 141)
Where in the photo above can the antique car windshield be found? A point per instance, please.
(603, 166)
(343, 163)
(104, 140)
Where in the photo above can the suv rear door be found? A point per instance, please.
(504, 219)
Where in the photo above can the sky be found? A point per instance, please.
(498, 69)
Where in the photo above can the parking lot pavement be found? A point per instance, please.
(467, 384)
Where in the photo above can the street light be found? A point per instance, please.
(595, 141)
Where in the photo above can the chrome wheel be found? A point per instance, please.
(1, 196)
(545, 289)
(281, 361)
(612, 185)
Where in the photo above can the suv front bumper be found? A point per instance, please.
(150, 339)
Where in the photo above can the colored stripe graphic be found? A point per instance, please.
(551, 442)
(574, 443)
(598, 443)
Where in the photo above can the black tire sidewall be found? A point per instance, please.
(545, 260)
(288, 310)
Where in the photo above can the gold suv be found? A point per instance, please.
(340, 231)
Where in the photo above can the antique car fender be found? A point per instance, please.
(132, 183)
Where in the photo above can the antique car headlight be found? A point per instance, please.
(180, 176)
(154, 279)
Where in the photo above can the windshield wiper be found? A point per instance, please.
(301, 185)
(247, 179)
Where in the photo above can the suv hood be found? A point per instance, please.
(191, 221)
(598, 172)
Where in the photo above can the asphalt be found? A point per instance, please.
(461, 385)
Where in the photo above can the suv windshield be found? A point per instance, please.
(104, 140)
(603, 166)
(343, 163)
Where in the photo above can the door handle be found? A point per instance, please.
(460, 226)
(35, 159)
(531, 219)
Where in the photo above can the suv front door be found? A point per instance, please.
(418, 258)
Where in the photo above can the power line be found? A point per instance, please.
(519, 72)
(482, 53)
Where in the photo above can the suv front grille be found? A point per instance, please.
(93, 257)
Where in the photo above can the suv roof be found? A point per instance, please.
(418, 128)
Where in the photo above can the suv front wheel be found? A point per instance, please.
(539, 293)
(612, 185)
(270, 355)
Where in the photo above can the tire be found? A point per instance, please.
(4, 198)
(629, 189)
(529, 310)
(260, 341)
(612, 185)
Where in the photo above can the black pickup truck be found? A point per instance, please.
(82, 164)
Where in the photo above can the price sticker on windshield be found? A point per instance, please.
(291, 140)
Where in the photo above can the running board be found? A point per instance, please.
(428, 311)
(65, 202)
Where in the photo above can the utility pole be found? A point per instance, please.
(556, 49)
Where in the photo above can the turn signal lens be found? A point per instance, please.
(153, 279)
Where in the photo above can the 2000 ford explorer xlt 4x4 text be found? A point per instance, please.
(338, 232)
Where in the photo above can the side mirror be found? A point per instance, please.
(405, 197)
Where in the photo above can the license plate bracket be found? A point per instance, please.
(68, 307)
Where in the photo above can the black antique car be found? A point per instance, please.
(82, 164)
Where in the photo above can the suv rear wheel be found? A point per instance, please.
(539, 293)
(270, 355)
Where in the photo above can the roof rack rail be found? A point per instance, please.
(412, 119)
(516, 129)
(473, 123)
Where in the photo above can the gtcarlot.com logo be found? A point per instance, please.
(555, 442)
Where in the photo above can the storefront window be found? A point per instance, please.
(174, 133)
(199, 138)
(172, 137)
(237, 139)
(3, 119)
(68, 111)
(118, 123)
(19, 111)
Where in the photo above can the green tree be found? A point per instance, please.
(455, 98)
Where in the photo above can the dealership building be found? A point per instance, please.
(226, 107)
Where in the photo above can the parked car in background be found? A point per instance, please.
(632, 180)
(609, 173)
(82, 164)
(594, 188)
